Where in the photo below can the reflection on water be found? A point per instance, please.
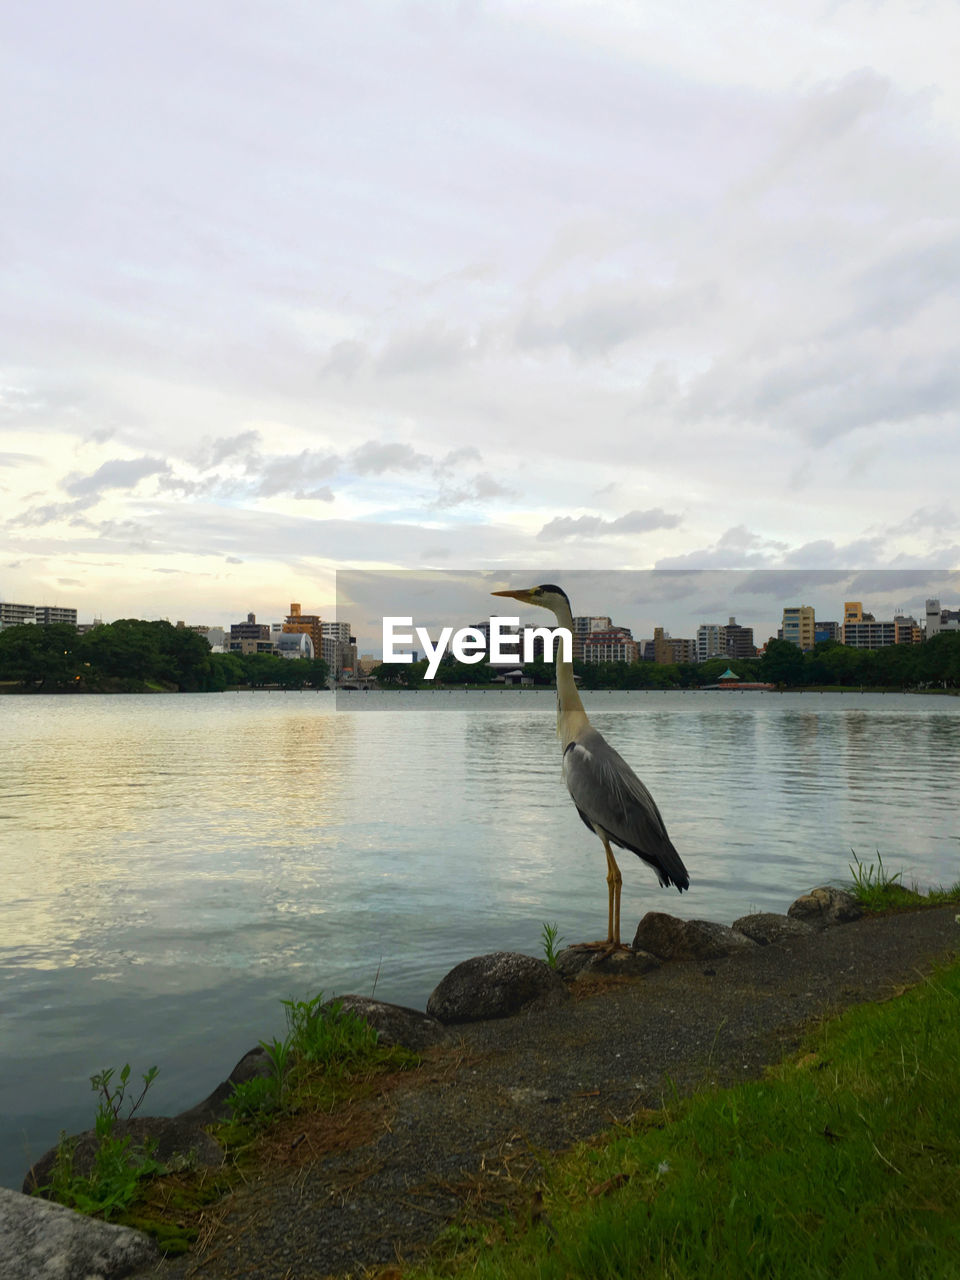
(173, 867)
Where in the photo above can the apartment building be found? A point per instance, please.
(610, 644)
(737, 641)
(799, 625)
(250, 636)
(667, 649)
(583, 625)
(18, 615)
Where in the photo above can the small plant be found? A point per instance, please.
(254, 1098)
(111, 1100)
(321, 1045)
(551, 943)
(118, 1168)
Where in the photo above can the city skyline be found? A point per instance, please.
(477, 284)
(678, 600)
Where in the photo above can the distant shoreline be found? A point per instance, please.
(19, 690)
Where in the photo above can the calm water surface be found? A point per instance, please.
(173, 867)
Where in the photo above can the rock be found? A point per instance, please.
(254, 1063)
(766, 928)
(393, 1023)
(574, 963)
(825, 906)
(38, 1238)
(494, 986)
(672, 939)
(178, 1144)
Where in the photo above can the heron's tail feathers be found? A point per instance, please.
(667, 863)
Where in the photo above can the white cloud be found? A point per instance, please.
(481, 267)
(118, 473)
(597, 527)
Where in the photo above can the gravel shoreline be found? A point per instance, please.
(374, 1183)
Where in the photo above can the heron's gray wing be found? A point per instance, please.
(609, 795)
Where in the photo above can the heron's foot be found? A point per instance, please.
(607, 947)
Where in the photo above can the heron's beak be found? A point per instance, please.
(524, 596)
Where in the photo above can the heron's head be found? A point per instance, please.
(547, 596)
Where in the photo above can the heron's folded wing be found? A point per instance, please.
(610, 795)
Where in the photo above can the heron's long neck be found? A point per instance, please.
(571, 717)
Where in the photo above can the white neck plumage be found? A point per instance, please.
(571, 717)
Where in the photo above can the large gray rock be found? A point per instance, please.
(766, 928)
(495, 986)
(825, 906)
(254, 1063)
(175, 1143)
(574, 963)
(672, 939)
(40, 1239)
(395, 1024)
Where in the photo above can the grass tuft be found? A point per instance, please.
(878, 890)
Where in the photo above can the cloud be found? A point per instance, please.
(286, 473)
(452, 460)
(432, 349)
(17, 459)
(604, 317)
(929, 519)
(346, 358)
(56, 513)
(323, 494)
(598, 527)
(482, 488)
(224, 447)
(119, 473)
(374, 458)
(826, 554)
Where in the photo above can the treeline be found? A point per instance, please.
(130, 656)
(933, 664)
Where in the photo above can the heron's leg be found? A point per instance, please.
(614, 884)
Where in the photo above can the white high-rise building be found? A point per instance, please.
(708, 641)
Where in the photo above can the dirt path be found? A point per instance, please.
(362, 1189)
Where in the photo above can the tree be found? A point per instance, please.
(782, 663)
(36, 654)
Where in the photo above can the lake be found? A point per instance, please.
(175, 866)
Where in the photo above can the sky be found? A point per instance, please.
(298, 288)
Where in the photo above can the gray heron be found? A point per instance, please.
(609, 796)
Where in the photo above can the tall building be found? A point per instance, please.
(736, 641)
(310, 624)
(250, 636)
(869, 634)
(583, 624)
(826, 631)
(667, 649)
(908, 630)
(708, 641)
(799, 625)
(338, 648)
(939, 619)
(610, 644)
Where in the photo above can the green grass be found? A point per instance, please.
(326, 1057)
(878, 890)
(843, 1162)
(322, 1053)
